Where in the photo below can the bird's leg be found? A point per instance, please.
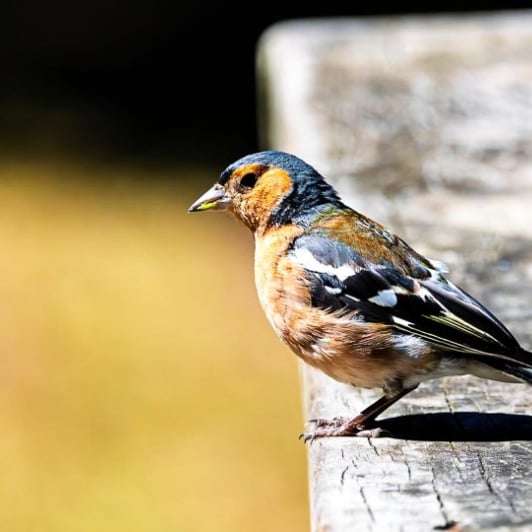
(361, 425)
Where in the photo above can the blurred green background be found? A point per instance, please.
(141, 387)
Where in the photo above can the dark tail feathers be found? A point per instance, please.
(523, 373)
(521, 369)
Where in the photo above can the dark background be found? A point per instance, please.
(144, 80)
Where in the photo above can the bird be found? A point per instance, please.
(350, 297)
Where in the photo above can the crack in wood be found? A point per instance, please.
(436, 491)
(485, 476)
(342, 475)
(372, 445)
(366, 504)
(409, 470)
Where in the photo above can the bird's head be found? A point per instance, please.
(268, 188)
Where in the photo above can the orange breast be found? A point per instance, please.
(344, 347)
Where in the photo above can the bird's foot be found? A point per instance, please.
(358, 426)
(333, 422)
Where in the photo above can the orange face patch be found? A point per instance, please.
(253, 205)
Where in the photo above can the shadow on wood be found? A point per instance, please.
(460, 426)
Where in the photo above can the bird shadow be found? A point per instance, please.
(458, 426)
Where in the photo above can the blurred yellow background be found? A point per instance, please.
(141, 388)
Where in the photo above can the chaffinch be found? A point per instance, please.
(351, 298)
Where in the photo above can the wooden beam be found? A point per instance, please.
(425, 124)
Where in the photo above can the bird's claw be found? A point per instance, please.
(340, 426)
(332, 422)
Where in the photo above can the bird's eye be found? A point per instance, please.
(248, 180)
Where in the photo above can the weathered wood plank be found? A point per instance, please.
(425, 124)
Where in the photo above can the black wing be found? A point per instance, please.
(417, 301)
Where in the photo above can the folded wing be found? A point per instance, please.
(416, 300)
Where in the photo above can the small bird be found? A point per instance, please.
(351, 298)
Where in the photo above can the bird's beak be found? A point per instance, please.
(215, 199)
